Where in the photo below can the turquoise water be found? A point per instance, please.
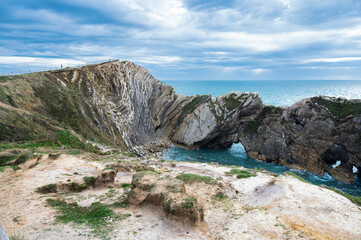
(272, 92)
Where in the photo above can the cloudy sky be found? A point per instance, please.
(184, 39)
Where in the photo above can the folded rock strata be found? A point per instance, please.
(123, 104)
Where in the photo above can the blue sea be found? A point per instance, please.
(278, 93)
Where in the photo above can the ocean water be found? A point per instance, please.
(278, 93)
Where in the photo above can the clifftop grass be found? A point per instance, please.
(194, 178)
(232, 101)
(98, 217)
(241, 173)
(339, 107)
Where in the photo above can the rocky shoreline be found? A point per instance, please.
(122, 104)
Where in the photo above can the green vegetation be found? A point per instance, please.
(220, 196)
(126, 185)
(90, 181)
(339, 107)
(3, 78)
(355, 199)
(62, 138)
(192, 178)
(252, 126)
(296, 176)
(4, 159)
(6, 98)
(50, 188)
(191, 106)
(69, 140)
(124, 203)
(54, 156)
(196, 101)
(76, 187)
(2, 168)
(232, 101)
(241, 173)
(27, 145)
(13, 160)
(189, 203)
(98, 217)
(128, 154)
(212, 107)
(23, 158)
(16, 237)
(266, 111)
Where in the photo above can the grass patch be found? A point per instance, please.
(296, 176)
(69, 140)
(241, 173)
(17, 237)
(192, 178)
(220, 196)
(50, 188)
(126, 185)
(76, 187)
(124, 203)
(6, 98)
(60, 139)
(339, 107)
(189, 203)
(3, 168)
(16, 219)
(23, 158)
(232, 101)
(4, 159)
(25, 145)
(355, 199)
(90, 181)
(98, 217)
(74, 151)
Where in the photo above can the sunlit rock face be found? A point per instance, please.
(122, 103)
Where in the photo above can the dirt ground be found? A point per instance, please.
(259, 207)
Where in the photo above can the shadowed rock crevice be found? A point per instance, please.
(122, 104)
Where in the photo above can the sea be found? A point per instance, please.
(272, 92)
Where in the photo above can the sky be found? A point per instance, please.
(187, 40)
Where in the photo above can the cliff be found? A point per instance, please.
(122, 104)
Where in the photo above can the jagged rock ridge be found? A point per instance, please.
(123, 104)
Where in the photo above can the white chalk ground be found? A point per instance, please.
(260, 207)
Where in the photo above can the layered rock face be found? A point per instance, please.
(123, 104)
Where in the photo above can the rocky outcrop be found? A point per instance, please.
(310, 134)
(122, 104)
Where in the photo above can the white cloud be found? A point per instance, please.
(327, 68)
(259, 70)
(157, 59)
(50, 21)
(36, 62)
(333, 60)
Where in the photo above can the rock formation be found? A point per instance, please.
(122, 104)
